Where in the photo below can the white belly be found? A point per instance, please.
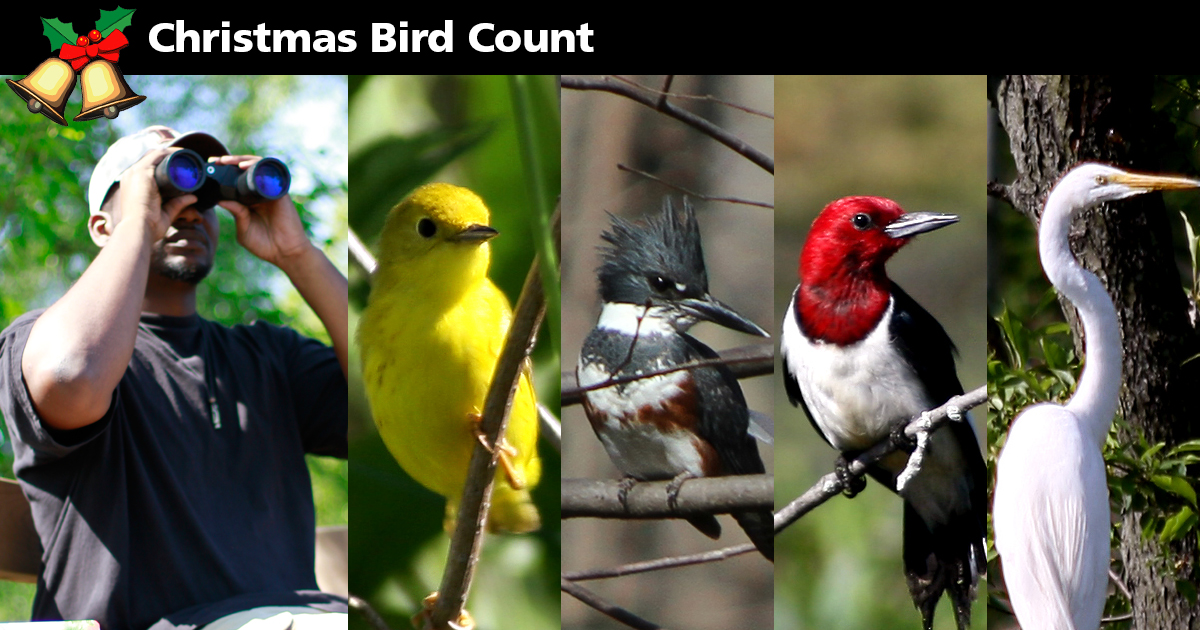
(639, 450)
(854, 393)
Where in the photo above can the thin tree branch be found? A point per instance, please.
(649, 499)
(1116, 579)
(612, 610)
(744, 362)
(359, 252)
(647, 97)
(686, 191)
(362, 607)
(830, 486)
(1003, 192)
(472, 512)
(660, 564)
(698, 97)
(550, 426)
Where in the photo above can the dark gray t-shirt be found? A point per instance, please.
(170, 502)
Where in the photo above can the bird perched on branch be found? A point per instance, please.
(1050, 514)
(861, 356)
(682, 424)
(430, 337)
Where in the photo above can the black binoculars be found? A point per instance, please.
(185, 172)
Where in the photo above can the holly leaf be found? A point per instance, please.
(112, 20)
(58, 33)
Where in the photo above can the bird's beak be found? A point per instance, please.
(1146, 183)
(710, 309)
(475, 233)
(913, 223)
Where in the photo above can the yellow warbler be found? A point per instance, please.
(429, 338)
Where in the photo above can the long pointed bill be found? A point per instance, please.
(913, 223)
(1146, 183)
(475, 234)
(712, 310)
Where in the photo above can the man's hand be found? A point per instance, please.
(271, 230)
(140, 201)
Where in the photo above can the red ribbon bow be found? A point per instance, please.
(107, 48)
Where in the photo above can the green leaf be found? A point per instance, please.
(1177, 525)
(1015, 337)
(58, 33)
(112, 20)
(1176, 485)
(1057, 328)
(1187, 589)
(1152, 451)
(1191, 238)
(1190, 445)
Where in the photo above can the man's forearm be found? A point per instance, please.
(80, 347)
(325, 289)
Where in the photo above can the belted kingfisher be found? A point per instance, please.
(859, 356)
(687, 423)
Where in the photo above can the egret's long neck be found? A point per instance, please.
(1095, 399)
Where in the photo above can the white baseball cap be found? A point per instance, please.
(126, 151)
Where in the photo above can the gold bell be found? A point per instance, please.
(47, 88)
(105, 92)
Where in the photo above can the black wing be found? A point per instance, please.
(922, 341)
(725, 422)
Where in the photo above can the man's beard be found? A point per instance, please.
(178, 268)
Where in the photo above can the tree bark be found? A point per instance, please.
(1054, 122)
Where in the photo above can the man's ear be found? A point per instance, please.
(102, 224)
(100, 227)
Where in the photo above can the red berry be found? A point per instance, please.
(94, 35)
(82, 41)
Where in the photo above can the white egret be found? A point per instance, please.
(1050, 513)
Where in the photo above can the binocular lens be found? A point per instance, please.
(179, 173)
(185, 172)
(271, 178)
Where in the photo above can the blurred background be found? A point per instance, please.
(600, 131)
(406, 131)
(921, 141)
(44, 245)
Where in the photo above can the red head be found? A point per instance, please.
(844, 286)
(849, 237)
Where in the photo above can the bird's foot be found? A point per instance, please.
(423, 620)
(674, 486)
(918, 454)
(507, 452)
(851, 485)
(900, 441)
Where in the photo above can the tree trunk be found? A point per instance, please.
(1054, 122)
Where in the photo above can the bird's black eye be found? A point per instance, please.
(861, 221)
(426, 227)
(661, 284)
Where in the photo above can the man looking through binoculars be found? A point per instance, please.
(163, 454)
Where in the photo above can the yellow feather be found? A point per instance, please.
(429, 338)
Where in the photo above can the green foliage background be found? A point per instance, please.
(44, 244)
(406, 131)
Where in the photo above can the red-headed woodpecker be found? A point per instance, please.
(859, 356)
